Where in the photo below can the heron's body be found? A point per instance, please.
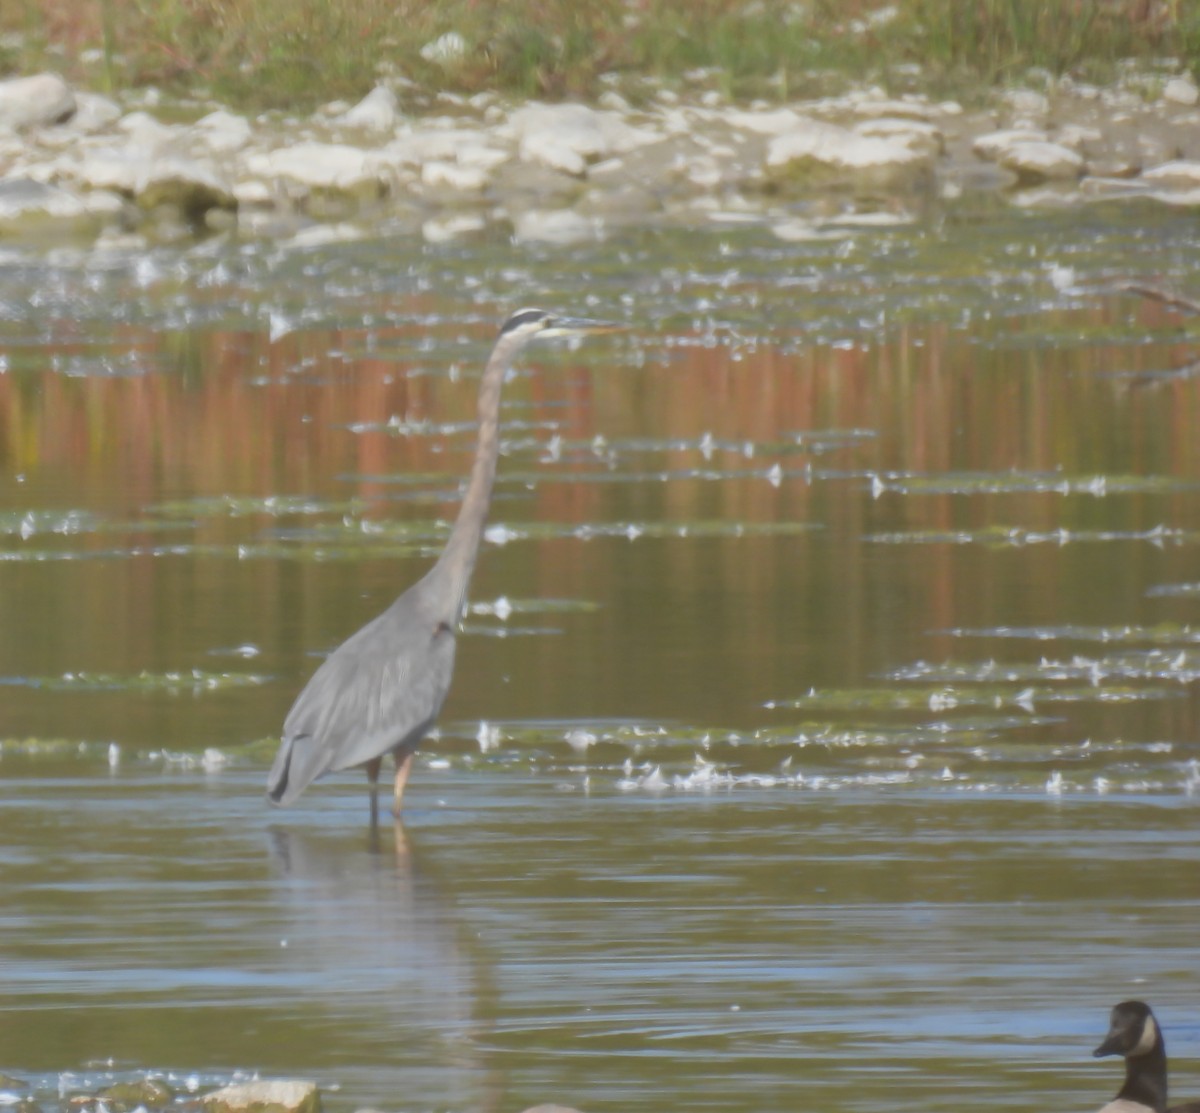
(351, 711)
(381, 690)
(1135, 1035)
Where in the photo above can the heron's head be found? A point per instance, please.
(525, 324)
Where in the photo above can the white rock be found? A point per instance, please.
(377, 111)
(796, 230)
(779, 122)
(871, 220)
(551, 1109)
(481, 156)
(1077, 136)
(1178, 174)
(563, 137)
(445, 48)
(1028, 103)
(703, 172)
(1041, 161)
(187, 184)
(116, 168)
(841, 149)
(465, 146)
(444, 229)
(44, 98)
(620, 136)
(253, 192)
(1181, 90)
(243, 1097)
(918, 134)
(319, 235)
(449, 175)
(994, 143)
(100, 202)
(1188, 198)
(561, 226)
(223, 131)
(144, 129)
(319, 166)
(876, 106)
(614, 102)
(93, 113)
(21, 198)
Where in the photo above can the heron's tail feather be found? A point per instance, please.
(277, 779)
(300, 761)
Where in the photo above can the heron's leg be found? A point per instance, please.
(403, 765)
(373, 766)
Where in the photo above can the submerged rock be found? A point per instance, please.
(23, 197)
(44, 98)
(551, 1109)
(182, 184)
(150, 1093)
(30, 207)
(266, 1096)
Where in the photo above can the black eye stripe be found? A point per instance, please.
(524, 317)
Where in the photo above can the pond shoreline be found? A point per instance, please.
(119, 175)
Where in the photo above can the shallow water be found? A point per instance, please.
(824, 728)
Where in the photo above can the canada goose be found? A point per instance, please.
(1134, 1033)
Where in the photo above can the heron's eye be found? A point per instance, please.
(442, 628)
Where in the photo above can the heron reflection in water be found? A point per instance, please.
(381, 690)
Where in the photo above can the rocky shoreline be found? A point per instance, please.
(87, 168)
(152, 1094)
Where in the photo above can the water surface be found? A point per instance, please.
(824, 729)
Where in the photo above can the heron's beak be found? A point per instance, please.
(579, 326)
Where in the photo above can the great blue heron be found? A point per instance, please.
(380, 691)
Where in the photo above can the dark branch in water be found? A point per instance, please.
(1167, 297)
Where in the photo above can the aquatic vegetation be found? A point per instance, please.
(1016, 536)
(948, 696)
(1150, 664)
(194, 682)
(1053, 483)
(29, 523)
(1162, 633)
(241, 506)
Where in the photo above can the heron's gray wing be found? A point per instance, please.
(382, 688)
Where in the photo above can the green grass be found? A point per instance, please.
(294, 54)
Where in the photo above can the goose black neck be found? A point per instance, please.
(1146, 1078)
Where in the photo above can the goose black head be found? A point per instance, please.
(1132, 1031)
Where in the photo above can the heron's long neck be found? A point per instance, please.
(458, 560)
(1146, 1078)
